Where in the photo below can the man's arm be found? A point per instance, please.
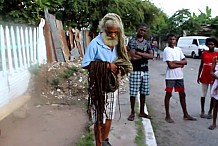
(133, 55)
(147, 55)
(182, 62)
(132, 50)
(175, 64)
(199, 70)
(213, 66)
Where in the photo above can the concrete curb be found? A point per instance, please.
(149, 133)
(150, 139)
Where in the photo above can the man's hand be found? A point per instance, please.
(147, 55)
(112, 67)
(198, 80)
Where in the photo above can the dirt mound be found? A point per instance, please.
(60, 83)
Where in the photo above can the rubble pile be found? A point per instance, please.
(64, 83)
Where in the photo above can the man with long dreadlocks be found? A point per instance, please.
(105, 58)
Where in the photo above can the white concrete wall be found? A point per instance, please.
(20, 48)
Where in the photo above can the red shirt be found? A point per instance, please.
(207, 57)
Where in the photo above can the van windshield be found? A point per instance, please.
(201, 41)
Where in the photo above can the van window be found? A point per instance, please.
(201, 41)
(195, 42)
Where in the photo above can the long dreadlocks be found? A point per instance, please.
(123, 59)
(101, 81)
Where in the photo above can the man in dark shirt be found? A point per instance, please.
(140, 51)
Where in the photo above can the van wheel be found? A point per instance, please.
(194, 55)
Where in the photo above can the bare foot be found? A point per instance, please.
(169, 120)
(189, 118)
(212, 127)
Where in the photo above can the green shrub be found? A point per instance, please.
(34, 69)
(55, 81)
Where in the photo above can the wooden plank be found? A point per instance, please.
(54, 50)
(63, 40)
(47, 42)
(55, 37)
(77, 39)
(71, 38)
(86, 39)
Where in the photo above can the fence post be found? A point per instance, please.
(14, 49)
(3, 53)
(27, 46)
(20, 57)
(35, 59)
(31, 45)
(23, 48)
(8, 49)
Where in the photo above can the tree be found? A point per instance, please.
(80, 13)
(87, 13)
(26, 11)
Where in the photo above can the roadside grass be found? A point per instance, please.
(34, 69)
(140, 133)
(87, 139)
(140, 136)
(56, 80)
(153, 121)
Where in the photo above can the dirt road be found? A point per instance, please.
(36, 124)
(181, 133)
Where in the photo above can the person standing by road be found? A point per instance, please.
(140, 52)
(204, 76)
(214, 91)
(104, 57)
(158, 53)
(175, 60)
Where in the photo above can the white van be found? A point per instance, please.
(192, 45)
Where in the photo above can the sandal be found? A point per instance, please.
(202, 115)
(189, 118)
(211, 127)
(106, 143)
(209, 116)
(169, 120)
(145, 116)
(131, 117)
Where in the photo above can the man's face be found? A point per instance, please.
(142, 31)
(172, 41)
(110, 36)
(211, 45)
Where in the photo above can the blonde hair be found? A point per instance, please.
(110, 19)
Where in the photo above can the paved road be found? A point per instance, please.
(182, 133)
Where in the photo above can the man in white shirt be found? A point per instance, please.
(175, 60)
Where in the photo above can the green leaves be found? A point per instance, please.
(183, 20)
(80, 13)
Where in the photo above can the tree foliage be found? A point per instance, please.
(80, 13)
(182, 22)
(26, 11)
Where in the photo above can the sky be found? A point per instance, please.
(171, 6)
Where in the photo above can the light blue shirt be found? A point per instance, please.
(97, 50)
